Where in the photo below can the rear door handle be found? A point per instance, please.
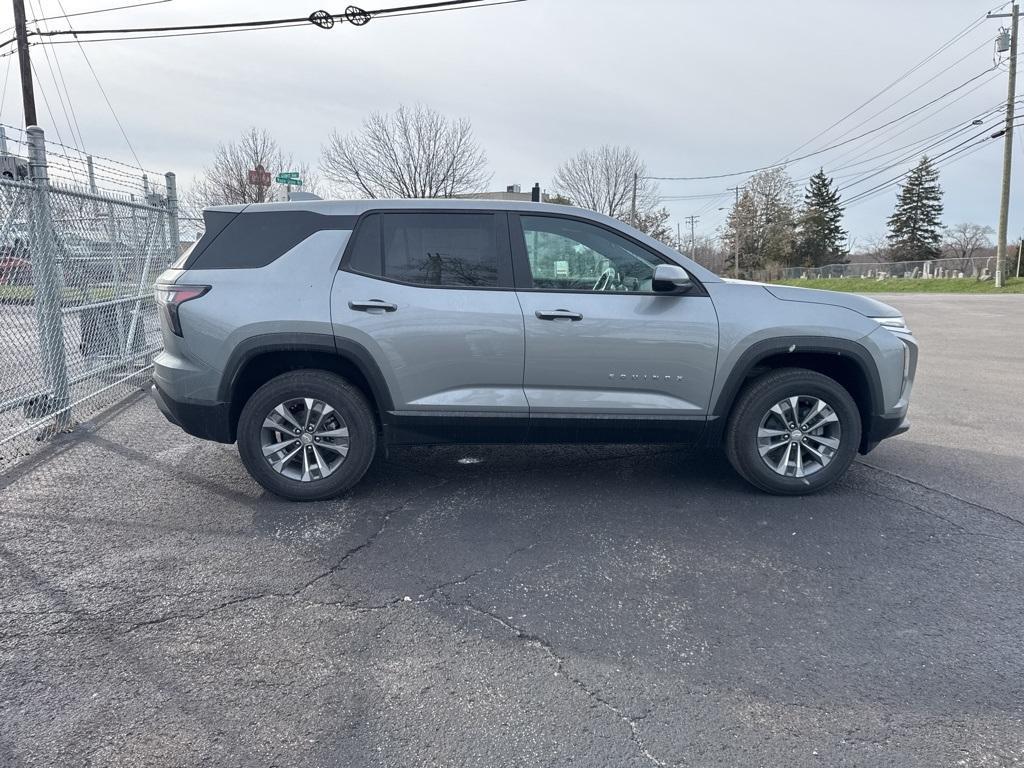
(558, 314)
(374, 306)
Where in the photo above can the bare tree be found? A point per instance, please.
(967, 242)
(602, 180)
(413, 152)
(226, 180)
(709, 252)
(654, 222)
(876, 249)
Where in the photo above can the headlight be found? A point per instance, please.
(897, 324)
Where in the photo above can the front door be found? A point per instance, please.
(606, 356)
(429, 295)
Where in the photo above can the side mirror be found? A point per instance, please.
(670, 278)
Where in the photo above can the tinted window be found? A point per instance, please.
(214, 223)
(570, 255)
(365, 251)
(452, 249)
(255, 239)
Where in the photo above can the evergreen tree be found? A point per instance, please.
(820, 237)
(915, 227)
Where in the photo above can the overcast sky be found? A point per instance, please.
(696, 87)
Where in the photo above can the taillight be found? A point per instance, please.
(170, 297)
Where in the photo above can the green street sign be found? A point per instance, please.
(289, 178)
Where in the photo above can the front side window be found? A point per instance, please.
(441, 249)
(571, 255)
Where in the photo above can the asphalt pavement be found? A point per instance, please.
(538, 606)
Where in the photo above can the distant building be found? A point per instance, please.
(512, 192)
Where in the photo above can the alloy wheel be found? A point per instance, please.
(304, 439)
(799, 436)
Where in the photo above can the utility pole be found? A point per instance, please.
(1004, 198)
(692, 220)
(28, 97)
(632, 206)
(736, 234)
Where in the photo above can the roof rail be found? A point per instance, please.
(295, 196)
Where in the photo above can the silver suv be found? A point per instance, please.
(316, 332)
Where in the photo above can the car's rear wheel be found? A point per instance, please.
(793, 431)
(307, 435)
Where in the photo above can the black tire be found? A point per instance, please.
(344, 398)
(752, 405)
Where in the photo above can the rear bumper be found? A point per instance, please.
(209, 421)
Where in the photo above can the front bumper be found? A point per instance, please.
(209, 421)
(882, 427)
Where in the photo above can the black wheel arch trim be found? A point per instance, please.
(348, 350)
(875, 427)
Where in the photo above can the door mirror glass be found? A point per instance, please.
(670, 278)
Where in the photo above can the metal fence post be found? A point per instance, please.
(115, 260)
(48, 284)
(91, 172)
(172, 216)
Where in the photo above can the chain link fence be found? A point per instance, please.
(78, 324)
(959, 268)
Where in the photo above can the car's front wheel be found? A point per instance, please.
(793, 431)
(307, 435)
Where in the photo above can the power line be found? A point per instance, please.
(947, 133)
(915, 90)
(168, 35)
(5, 30)
(861, 179)
(98, 10)
(883, 188)
(353, 15)
(303, 23)
(857, 152)
(678, 198)
(105, 97)
(959, 36)
(46, 103)
(949, 154)
(749, 171)
(63, 94)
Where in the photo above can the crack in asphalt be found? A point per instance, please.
(539, 642)
(919, 508)
(294, 593)
(920, 484)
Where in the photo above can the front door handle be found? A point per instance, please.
(374, 306)
(558, 314)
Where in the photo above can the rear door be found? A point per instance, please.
(606, 356)
(430, 295)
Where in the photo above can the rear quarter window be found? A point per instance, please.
(253, 240)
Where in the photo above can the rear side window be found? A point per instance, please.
(213, 223)
(252, 240)
(458, 250)
(365, 254)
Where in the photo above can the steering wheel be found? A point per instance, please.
(605, 280)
